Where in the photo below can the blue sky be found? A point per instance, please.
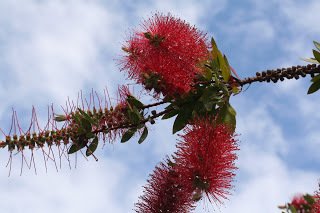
(51, 50)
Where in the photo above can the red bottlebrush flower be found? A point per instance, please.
(298, 201)
(205, 159)
(164, 194)
(165, 55)
(316, 205)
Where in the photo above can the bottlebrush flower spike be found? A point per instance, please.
(164, 194)
(205, 159)
(298, 201)
(316, 205)
(165, 54)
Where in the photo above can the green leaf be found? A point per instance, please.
(208, 73)
(170, 114)
(292, 209)
(209, 104)
(231, 109)
(309, 199)
(315, 78)
(225, 116)
(224, 88)
(214, 54)
(183, 118)
(316, 55)
(317, 45)
(88, 118)
(106, 131)
(227, 72)
(60, 118)
(134, 117)
(213, 43)
(86, 125)
(76, 117)
(310, 60)
(167, 98)
(315, 86)
(235, 90)
(92, 147)
(75, 147)
(134, 101)
(210, 93)
(144, 135)
(135, 109)
(128, 135)
(81, 130)
(90, 135)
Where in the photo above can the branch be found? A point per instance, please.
(282, 73)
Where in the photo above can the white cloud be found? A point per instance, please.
(57, 47)
(305, 15)
(191, 10)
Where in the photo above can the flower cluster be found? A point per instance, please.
(298, 202)
(203, 166)
(205, 158)
(164, 194)
(165, 55)
(316, 205)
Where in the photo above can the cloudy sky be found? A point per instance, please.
(51, 50)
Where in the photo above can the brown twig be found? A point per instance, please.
(282, 73)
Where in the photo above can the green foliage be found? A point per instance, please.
(133, 101)
(129, 133)
(93, 146)
(144, 135)
(87, 118)
(315, 86)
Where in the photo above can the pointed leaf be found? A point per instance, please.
(309, 199)
(134, 117)
(128, 135)
(75, 147)
(76, 117)
(225, 117)
(170, 114)
(81, 130)
(60, 118)
(92, 147)
(86, 125)
(213, 43)
(316, 55)
(224, 88)
(310, 60)
(144, 135)
(317, 45)
(183, 118)
(88, 118)
(224, 71)
(208, 73)
(231, 109)
(227, 68)
(210, 93)
(106, 131)
(134, 101)
(315, 78)
(209, 104)
(90, 135)
(315, 86)
(235, 90)
(292, 209)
